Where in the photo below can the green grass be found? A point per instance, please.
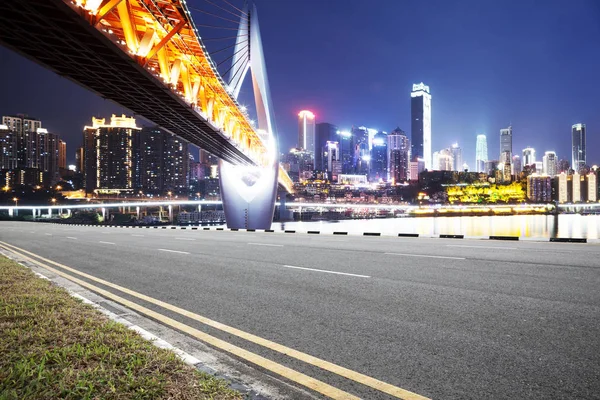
(53, 346)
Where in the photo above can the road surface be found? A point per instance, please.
(444, 318)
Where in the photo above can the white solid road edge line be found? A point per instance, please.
(482, 247)
(174, 251)
(326, 271)
(425, 255)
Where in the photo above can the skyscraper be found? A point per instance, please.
(457, 157)
(306, 131)
(578, 140)
(481, 153)
(379, 157)
(8, 148)
(62, 154)
(443, 160)
(331, 160)
(420, 111)
(506, 144)
(550, 163)
(528, 156)
(516, 165)
(346, 141)
(398, 147)
(110, 154)
(362, 157)
(25, 130)
(325, 132)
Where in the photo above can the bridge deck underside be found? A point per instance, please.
(52, 34)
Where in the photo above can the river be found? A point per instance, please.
(529, 226)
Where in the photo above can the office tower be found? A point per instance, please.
(25, 130)
(346, 141)
(550, 164)
(516, 165)
(325, 132)
(490, 167)
(443, 160)
(8, 148)
(505, 144)
(306, 131)
(361, 158)
(332, 161)
(578, 140)
(79, 160)
(379, 157)
(481, 153)
(62, 155)
(539, 188)
(576, 187)
(47, 149)
(398, 147)
(110, 154)
(528, 156)
(420, 111)
(457, 157)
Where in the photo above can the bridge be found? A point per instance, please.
(147, 56)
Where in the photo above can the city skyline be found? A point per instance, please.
(473, 94)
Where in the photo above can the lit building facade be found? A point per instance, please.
(325, 132)
(516, 166)
(306, 131)
(379, 157)
(529, 156)
(346, 142)
(578, 141)
(333, 163)
(25, 130)
(481, 153)
(398, 148)
(550, 163)
(8, 148)
(111, 155)
(539, 188)
(420, 110)
(62, 155)
(506, 144)
(457, 157)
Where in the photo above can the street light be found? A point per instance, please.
(53, 200)
(16, 200)
(170, 195)
(58, 187)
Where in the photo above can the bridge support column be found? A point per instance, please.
(11, 212)
(103, 214)
(137, 210)
(170, 214)
(49, 213)
(248, 195)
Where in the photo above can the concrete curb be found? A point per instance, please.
(337, 233)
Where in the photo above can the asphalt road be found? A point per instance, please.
(445, 318)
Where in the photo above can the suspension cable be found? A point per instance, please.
(235, 7)
(232, 65)
(227, 11)
(215, 15)
(222, 38)
(231, 56)
(228, 47)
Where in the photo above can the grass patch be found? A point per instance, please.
(54, 346)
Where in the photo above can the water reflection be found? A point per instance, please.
(532, 226)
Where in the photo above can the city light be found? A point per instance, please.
(306, 114)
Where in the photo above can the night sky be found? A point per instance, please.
(535, 64)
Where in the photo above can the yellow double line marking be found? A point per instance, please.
(269, 365)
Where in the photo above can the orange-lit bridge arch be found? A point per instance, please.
(145, 55)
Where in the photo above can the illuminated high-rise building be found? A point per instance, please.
(528, 156)
(62, 155)
(578, 141)
(398, 148)
(550, 164)
(516, 165)
(8, 148)
(25, 130)
(332, 161)
(346, 141)
(47, 148)
(379, 157)
(481, 153)
(111, 154)
(506, 145)
(457, 164)
(362, 157)
(79, 159)
(420, 110)
(325, 133)
(306, 131)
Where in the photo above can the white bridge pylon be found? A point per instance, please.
(249, 193)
